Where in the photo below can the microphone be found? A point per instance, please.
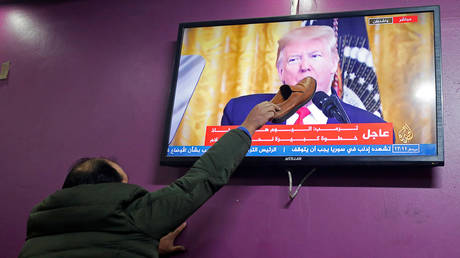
(331, 107)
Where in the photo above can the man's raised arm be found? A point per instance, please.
(160, 212)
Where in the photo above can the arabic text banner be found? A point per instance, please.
(328, 134)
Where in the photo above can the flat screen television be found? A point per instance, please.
(383, 68)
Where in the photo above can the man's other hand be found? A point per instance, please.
(259, 116)
(166, 245)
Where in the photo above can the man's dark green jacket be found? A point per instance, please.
(123, 220)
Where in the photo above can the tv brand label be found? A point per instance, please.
(391, 20)
(292, 158)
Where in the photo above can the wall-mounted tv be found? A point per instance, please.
(381, 67)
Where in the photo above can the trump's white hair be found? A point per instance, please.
(323, 32)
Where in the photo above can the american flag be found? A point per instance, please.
(357, 84)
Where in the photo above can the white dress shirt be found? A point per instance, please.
(315, 117)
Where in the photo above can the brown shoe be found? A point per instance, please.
(291, 98)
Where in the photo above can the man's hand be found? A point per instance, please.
(166, 245)
(259, 115)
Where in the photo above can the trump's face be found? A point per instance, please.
(308, 57)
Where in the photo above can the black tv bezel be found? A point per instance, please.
(291, 161)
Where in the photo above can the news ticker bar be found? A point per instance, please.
(318, 150)
(327, 134)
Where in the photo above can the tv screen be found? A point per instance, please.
(377, 101)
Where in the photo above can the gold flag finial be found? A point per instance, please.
(4, 70)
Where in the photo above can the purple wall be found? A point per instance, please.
(88, 78)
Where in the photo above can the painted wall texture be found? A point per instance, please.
(92, 78)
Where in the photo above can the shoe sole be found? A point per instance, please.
(283, 118)
(280, 120)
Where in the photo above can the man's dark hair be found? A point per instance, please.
(91, 171)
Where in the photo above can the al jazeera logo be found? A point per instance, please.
(405, 134)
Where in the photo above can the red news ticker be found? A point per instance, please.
(328, 134)
(405, 19)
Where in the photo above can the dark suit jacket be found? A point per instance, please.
(123, 220)
(237, 109)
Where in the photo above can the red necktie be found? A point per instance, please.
(302, 112)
